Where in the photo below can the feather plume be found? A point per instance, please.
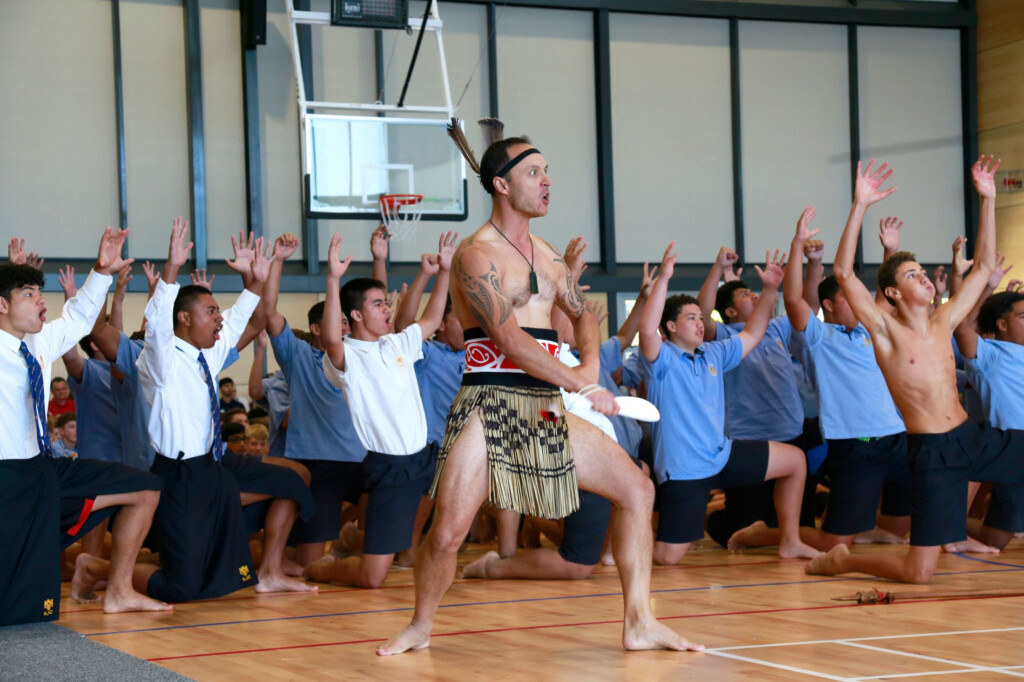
(459, 138)
(493, 130)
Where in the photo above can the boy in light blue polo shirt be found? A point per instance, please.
(867, 446)
(995, 366)
(692, 455)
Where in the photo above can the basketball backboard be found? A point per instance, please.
(352, 160)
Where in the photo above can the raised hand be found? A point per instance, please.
(597, 309)
(66, 279)
(199, 278)
(429, 264)
(984, 175)
(960, 262)
(730, 275)
(285, 245)
(574, 257)
(726, 258)
(940, 280)
(336, 268)
(668, 262)
(997, 275)
(152, 276)
(124, 275)
(394, 297)
(245, 252)
(109, 259)
(177, 253)
(771, 276)
(1015, 285)
(803, 231)
(261, 260)
(446, 249)
(889, 233)
(868, 189)
(647, 280)
(16, 254)
(379, 242)
(814, 249)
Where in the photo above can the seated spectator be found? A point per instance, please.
(66, 444)
(234, 438)
(236, 415)
(229, 396)
(257, 440)
(258, 415)
(61, 401)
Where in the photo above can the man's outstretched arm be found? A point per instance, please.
(793, 293)
(868, 191)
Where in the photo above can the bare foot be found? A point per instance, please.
(797, 550)
(478, 568)
(84, 580)
(608, 559)
(291, 568)
(406, 558)
(132, 601)
(320, 570)
(655, 635)
(827, 564)
(878, 536)
(757, 534)
(283, 583)
(409, 638)
(970, 545)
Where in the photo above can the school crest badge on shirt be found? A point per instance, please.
(712, 370)
(400, 361)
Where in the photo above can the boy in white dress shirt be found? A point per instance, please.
(199, 524)
(376, 369)
(48, 503)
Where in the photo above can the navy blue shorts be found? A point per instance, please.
(331, 483)
(1006, 508)
(682, 505)
(941, 464)
(583, 531)
(858, 473)
(395, 484)
(257, 477)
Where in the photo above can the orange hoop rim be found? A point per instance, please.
(393, 201)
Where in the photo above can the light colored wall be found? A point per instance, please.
(1001, 112)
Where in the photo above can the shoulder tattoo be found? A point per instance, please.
(487, 301)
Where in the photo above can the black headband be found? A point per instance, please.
(512, 164)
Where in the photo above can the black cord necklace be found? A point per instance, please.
(534, 289)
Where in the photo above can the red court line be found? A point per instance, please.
(561, 625)
(457, 580)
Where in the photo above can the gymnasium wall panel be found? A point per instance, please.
(910, 116)
(58, 137)
(796, 133)
(155, 122)
(672, 139)
(546, 90)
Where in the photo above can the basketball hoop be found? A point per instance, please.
(399, 217)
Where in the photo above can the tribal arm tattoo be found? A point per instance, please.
(488, 303)
(572, 301)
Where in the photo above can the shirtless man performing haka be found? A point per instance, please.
(508, 439)
(914, 352)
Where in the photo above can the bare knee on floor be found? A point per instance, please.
(669, 553)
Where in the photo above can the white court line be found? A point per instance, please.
(780, 666)
(867, 639)
(969, 666)
(922, 674)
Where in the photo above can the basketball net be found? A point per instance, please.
(401, 214)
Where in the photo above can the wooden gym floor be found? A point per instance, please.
(761, 618)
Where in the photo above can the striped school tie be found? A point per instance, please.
(214, 408)
(35, 382)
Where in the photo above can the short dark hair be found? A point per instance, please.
(828, 288)
(673, 306)
(226, 415)
(85, 343)
(65, 418)
(495, 157)
(187, 297)
(353, 294)
(55, 380)
(995, 308)
(231, 430)
(15, 276)
(139, 335)
(225, 380)
(257, 412)
(315, 314)
(887, 271)
(725, 294)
